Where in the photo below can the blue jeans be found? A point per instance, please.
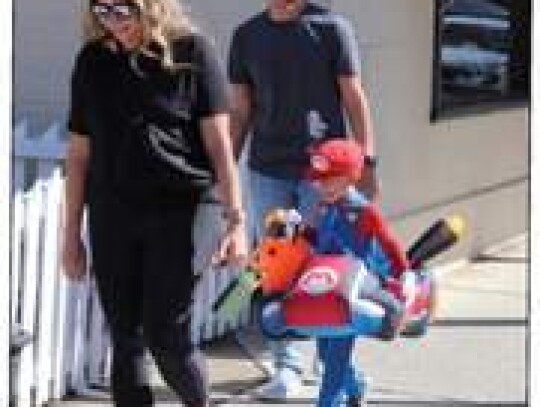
(268, 193)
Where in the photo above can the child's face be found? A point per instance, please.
(332, 189)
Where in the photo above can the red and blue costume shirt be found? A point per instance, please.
(355, 226)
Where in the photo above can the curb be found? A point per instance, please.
(519, 240)
(451, 266)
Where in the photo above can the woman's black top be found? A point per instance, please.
(143, 119)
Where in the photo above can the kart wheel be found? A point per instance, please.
(415, 328)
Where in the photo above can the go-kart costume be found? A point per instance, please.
(351, 227)
(355, 227)
(347, 234)
(340, 273)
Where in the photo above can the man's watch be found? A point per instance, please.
(370, 161)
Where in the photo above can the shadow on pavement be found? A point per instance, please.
(374, 402)
(229, 347)
(448, 403)
(441, 403)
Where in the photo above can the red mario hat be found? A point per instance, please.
(335, 157)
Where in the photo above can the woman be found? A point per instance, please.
(149, 134)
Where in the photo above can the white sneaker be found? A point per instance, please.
(285, 384)
(314, 377)
(360, 399)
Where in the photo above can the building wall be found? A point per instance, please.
(46, 34)
(475, 165)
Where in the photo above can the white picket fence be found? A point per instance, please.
(70, 349)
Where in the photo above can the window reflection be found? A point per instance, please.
(482, 52)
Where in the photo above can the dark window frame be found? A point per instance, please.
(440, 112)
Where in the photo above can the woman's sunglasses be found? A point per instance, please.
(120, 11)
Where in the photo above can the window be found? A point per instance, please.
(481, 55)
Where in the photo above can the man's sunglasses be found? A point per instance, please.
(120, 11)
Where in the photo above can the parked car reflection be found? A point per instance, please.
(475, 53)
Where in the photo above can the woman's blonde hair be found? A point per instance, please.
(163, 22)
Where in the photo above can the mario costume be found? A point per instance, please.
(356, 227)
(353, 228)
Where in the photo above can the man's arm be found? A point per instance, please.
(357, 107)
(241, 113)
(356, 104)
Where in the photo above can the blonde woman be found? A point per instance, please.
(149, 135)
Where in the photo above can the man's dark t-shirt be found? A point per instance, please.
(110, 95)
(292, 69)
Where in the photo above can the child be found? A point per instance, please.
(348, 224)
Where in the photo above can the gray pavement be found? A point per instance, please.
(475, 354)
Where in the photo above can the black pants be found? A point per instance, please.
(142, 263)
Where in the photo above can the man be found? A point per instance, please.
(294, 70)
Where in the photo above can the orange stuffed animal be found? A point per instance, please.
(278, 262)
(282, 254)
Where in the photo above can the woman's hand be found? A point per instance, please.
(217, 140)
(74, 258)
(233, 247)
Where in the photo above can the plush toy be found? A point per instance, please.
(282, 254)
(273, 266)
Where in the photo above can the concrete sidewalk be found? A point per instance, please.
(474, 354)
